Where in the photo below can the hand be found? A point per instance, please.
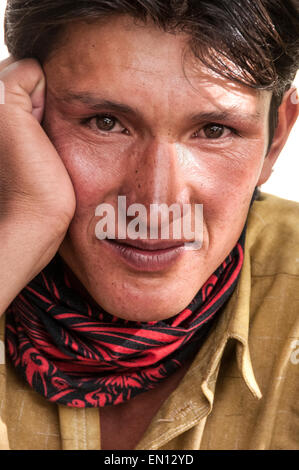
(37, 199)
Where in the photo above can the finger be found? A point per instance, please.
(24, 85)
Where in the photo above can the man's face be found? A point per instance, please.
(165, 133)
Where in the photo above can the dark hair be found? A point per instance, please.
(259, 37)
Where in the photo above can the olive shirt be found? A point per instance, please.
(242, 389)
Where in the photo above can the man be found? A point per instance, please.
(124, 342)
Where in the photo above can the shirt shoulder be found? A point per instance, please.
(273, 236)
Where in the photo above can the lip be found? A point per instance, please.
(146, 255)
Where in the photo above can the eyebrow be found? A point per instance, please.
(231, 113)
(97, 104)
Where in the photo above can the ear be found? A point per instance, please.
(287, 115)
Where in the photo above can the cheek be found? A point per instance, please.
(96, 173)
(225, 179)
(89, 179)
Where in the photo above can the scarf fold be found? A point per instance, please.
(74, 353)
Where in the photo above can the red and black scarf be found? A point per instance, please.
(74, 353)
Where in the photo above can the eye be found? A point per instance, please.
(105, 123)
(214, 131)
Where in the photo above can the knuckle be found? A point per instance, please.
(22, 75)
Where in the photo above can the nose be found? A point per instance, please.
(157, 177)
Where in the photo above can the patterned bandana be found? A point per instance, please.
(74, 353)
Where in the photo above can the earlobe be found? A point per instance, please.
(287, 116)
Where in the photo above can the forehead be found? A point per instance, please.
(120, 56)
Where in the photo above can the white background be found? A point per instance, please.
(284, 181)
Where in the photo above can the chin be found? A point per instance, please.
(133, 296)
(145, 307)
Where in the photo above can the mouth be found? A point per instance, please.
(146, 255)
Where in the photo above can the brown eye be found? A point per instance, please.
(105, 123)
(214, 131)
